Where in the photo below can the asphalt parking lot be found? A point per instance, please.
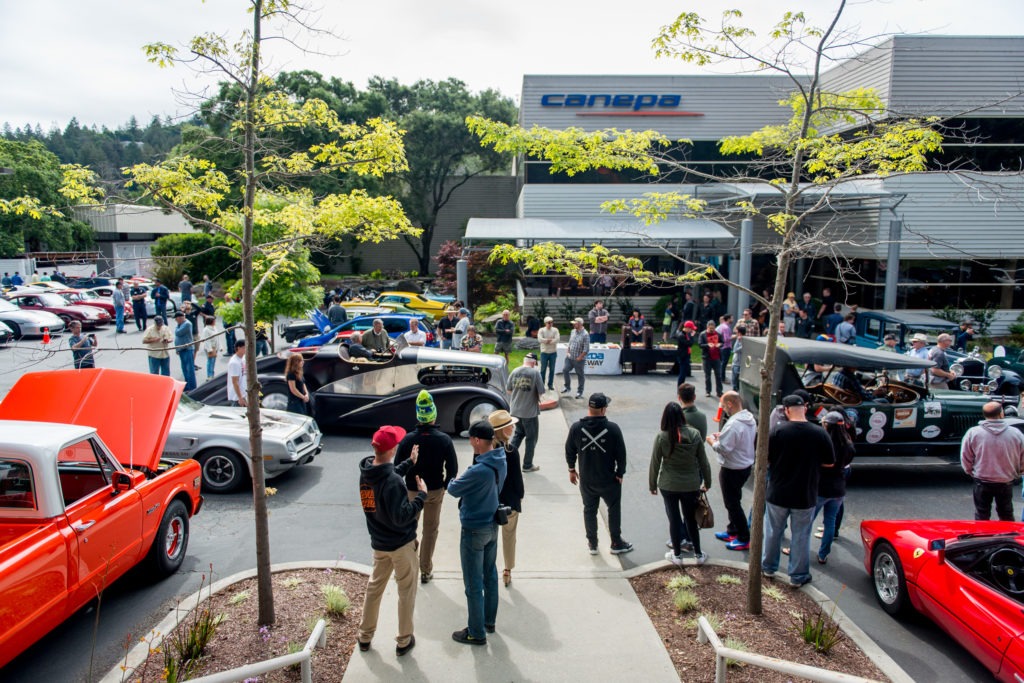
(315, 515)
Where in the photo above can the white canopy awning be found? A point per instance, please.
(618, 233)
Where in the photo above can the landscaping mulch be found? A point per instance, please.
(772, 633)
(298, 604)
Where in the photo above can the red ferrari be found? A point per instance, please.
(967, 577)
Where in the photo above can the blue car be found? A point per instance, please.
(394, 323)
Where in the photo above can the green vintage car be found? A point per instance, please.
(906, 421)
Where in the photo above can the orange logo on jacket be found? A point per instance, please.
(367, 498)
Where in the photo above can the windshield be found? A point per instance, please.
(54, 300)
(187, 406)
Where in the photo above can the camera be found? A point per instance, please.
(501, 514)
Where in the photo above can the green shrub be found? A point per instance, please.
(681, 581)
(337, 600)
(735, 644)
(685, 600)
(728, 580)
(818, 630)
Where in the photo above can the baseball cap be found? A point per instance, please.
(598, 400)
(793, 401)
(464, 311)
(530, 356)
(834, 417)
(548, 319)
(387, 437)
(889, 337)
(689, 324)
(578, 320)
(481, 429)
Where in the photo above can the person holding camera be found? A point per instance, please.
(83, 347)
(511, 494)
(478, 487)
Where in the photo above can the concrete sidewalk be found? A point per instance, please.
(567, 615)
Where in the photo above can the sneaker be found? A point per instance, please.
(532, 468)
(674, 559)
(708, 395)
(701, 558)
(425, 577)
(566, 390)
(363, 647)
(579, 396)
(799, 583)
(819, 534)
(686, 546)
(399, 650)
(737, 544)
(466, 639)
(725, 536)
(489, 628)
(621, 546)
(592, 547)
(822, 560)
(820, 528)
(768, 573)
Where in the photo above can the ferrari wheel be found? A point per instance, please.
(223, 471)
(890, 583)
(168, 551)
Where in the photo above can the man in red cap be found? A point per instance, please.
(391, 520)
(685, 337)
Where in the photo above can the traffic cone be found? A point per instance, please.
(46, 335)
(718, 415)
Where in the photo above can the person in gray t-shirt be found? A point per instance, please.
(526, 389)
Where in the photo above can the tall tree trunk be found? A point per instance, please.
(252, 392)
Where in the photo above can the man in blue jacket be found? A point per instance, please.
(478, 488)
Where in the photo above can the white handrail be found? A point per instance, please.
(318, 638)
(705, 634)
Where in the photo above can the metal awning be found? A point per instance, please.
(616, 233)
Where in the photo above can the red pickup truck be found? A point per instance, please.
(84, 496)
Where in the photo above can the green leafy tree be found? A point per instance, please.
(35, 193)
(195, 253)
(240, 204)
(830, 139)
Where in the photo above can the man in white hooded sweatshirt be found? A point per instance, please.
(734, 446)
(992, 454)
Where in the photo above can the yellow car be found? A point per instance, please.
(417, 302)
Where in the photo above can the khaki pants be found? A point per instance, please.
(508, 540)
(431, 520)
(403, 563)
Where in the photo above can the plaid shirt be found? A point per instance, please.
(579, 343)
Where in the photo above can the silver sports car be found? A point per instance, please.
(218, 437)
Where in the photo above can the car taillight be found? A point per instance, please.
(430, 337)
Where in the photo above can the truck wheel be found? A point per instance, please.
(223, 471)
(168, 551)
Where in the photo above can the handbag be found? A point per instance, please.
(501, 514)
(705, 516)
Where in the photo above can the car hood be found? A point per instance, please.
(131, 411)
(934, 529)
(230, 419)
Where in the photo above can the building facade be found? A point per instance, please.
(960, 235)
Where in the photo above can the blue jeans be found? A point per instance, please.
(160, 366)
(547, 368)
(573, 365)
(479, 551)
(598, 337)
(262, 347)
(831, 507)
(527, 429)
(188, 367)
(800, 549)
(211, 366)
(119, 318)
(446, 343)
(229, 335)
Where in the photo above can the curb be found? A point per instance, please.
(886, 664)
(138, 654)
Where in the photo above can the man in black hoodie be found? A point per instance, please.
(391, 521)
(598, 444)
(437, 465)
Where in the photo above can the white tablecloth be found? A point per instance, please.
(601, 360)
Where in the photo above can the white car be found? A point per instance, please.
(24, 323)
(218, 437)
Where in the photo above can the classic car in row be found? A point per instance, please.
(84, 496)
(51, 302)
(417, 302)
(872, 326)
(361, 394)
(29, 323)
(218, 438)
(967, 577)
(906, 420)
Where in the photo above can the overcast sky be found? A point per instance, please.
(84, 59)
